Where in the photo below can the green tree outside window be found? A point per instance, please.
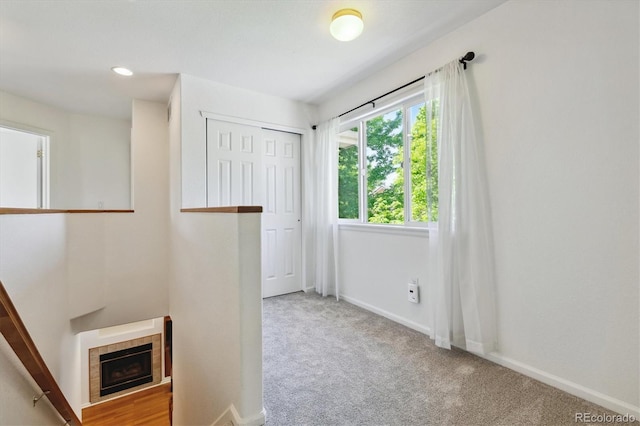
(386, 169)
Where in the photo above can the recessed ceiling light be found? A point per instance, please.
(346, 24)
(122, 71)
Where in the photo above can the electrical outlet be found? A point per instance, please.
(414, 296)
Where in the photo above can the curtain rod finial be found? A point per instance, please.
(466, 58)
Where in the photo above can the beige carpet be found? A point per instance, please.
(329, 363)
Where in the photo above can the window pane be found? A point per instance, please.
(385, 179)
(348, 204)
(433, 129)
(418, 138)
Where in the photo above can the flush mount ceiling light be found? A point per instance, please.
(346, 24)
(122, 71)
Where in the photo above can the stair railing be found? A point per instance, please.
(16, 334)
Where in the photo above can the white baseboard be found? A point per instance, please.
(230, 417)
(393, 317)
(575, 389)
(309, 289)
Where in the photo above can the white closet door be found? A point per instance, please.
(248, 166)
(281, 227)
(233, 164)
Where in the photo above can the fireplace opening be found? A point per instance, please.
(125, 369)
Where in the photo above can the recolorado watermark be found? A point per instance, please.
(603, 418)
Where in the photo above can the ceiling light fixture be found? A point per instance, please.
(122, 71)
(346, 24)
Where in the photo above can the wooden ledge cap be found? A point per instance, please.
(15, 210)
(229, 209)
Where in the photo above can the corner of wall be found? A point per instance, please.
(230, 417)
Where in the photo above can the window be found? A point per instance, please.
(385, 178)
(382, 186)
(424, 161)
(348, 171)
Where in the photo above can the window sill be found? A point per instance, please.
(385, 229)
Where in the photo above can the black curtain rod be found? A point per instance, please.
(468, 57)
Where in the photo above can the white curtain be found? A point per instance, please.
(321, 189)
(461, 249)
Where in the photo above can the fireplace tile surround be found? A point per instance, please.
(95, 372)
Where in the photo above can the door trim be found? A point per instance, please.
(254, 123)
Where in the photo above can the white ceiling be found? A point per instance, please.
(60, 52)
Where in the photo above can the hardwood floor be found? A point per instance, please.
(147, 407)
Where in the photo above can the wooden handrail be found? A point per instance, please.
(16, 334)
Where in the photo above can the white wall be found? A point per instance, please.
(104, 157)
(111, 267)
(208, 309)
(33, 270)
(16, 390)
(119, 262)
(556, 85)
(203, 95)
(215, 294)
(89, 155)
(378, 280)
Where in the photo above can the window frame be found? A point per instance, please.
(407, 100)
(360, 175)
(363, 144)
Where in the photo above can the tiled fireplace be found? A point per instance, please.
(121, 367)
